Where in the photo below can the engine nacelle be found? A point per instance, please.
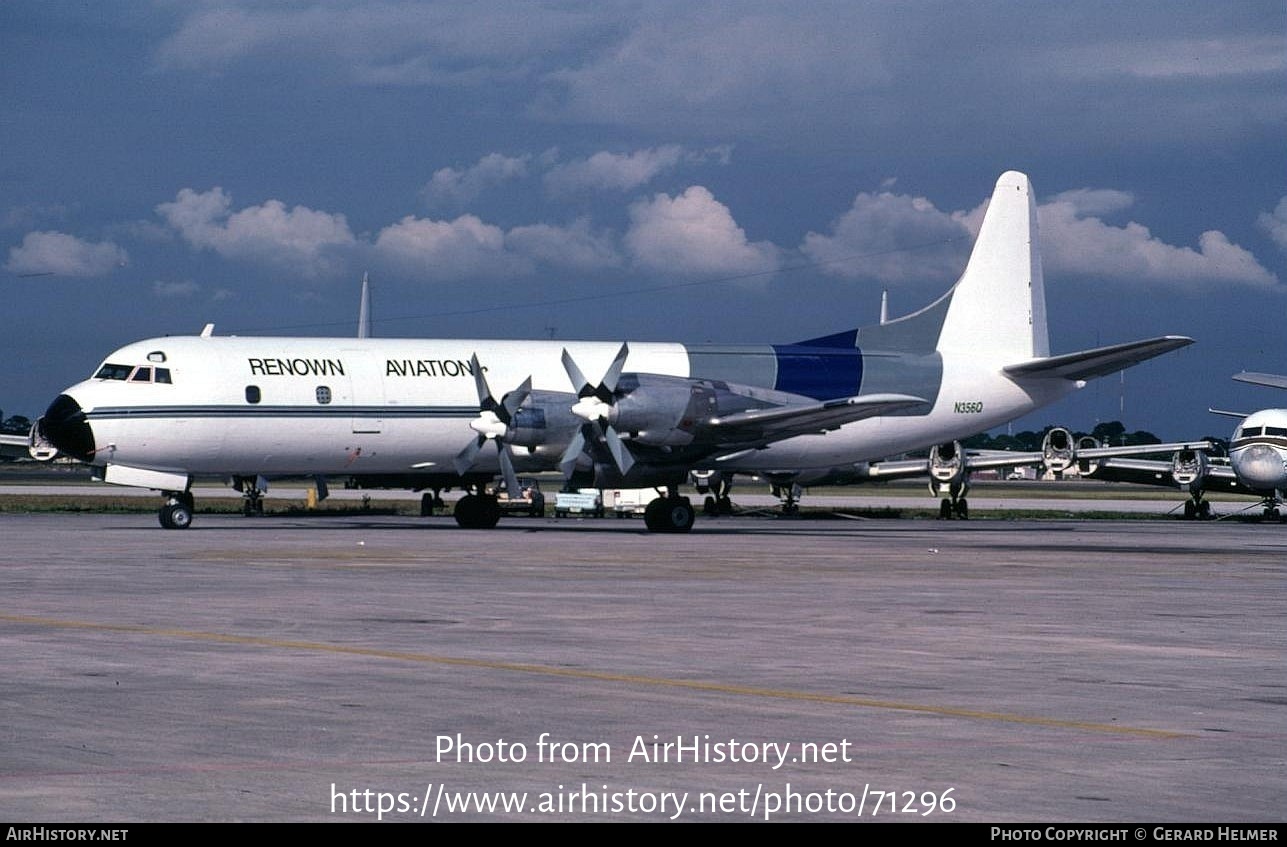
(946, 462)
(704, 481)
(1189, 467)
(545, 418)
(662, 411)
(1087, 467)
(1057, 452)
(39, 447)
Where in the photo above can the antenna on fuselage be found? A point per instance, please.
(884, 306)
(364, 310)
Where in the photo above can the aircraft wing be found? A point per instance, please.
(978, 460)
(1217, 477)
(775, 424)
(1268, 380)
(13, 446)
(1089, 364)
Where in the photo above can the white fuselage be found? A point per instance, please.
(1258, 451)
(339, 406)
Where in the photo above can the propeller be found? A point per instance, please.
(594, 403)
(493, 424)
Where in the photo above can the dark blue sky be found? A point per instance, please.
(500, 167)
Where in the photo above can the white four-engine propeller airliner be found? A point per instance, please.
(424, 413)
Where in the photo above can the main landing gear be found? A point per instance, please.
(718, 501)
(1197, 509)
(790, 496)
(252, 491)
(431, 504)
(176, 512)
(953, 504)
(671, 513)
(477, 510)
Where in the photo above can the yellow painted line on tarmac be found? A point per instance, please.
(599, 676)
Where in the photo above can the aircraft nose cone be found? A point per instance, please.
(65, 427)
(1260, 467)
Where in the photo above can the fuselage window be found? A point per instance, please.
(252, 393)
(113, 372)
(163, 375)
(323, 394)
(142, 375)
(156, 356)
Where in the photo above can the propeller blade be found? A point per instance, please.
(507, 470)
(514, 399)
(568, 463)
(595, 403)
(579, 382)
(620, 452)
(609, 381)
(465, 458)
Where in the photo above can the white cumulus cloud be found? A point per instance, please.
(893, 238)
(575, 247)
(302, 239)
(693, 234)
(1082, 245)
(1275, 224)
(64, 255)
(464, 247)
(468, 247)
(606, 171)
(452, 186)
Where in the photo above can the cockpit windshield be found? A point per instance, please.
(132, 373)
(110, 371)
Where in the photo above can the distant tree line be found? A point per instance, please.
(16, 425)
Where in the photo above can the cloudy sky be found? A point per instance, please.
(728, 172)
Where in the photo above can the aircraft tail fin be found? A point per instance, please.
(998, 306)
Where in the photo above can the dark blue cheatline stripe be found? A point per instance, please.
(824, 368)
(140, 412)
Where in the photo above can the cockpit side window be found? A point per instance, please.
(110, 371)
(142, 375)
(162, 375)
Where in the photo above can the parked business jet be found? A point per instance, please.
(1256, 465)
(424, 413)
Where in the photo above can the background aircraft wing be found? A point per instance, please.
(978, 460)
(1215, 477)
(766, 425)
(1089, 364)
(13, 446)
(1269, 380)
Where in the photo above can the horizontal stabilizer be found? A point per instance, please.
(1268, 380)
(1089, 364)
(786, 421)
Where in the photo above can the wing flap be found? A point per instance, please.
(782, 422)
